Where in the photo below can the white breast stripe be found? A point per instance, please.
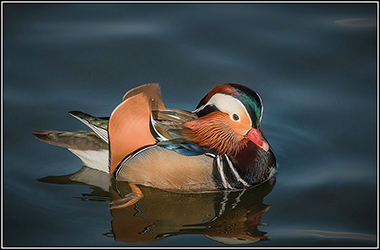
(235, 172)
(219, 165)
(210, 154)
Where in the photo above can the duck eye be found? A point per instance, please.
(235, 117)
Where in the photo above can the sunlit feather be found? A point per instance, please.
(213, 131)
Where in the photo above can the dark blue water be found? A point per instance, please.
(314, 66)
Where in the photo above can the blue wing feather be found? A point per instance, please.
(185, 147)
(167, 126)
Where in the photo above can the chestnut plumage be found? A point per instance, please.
(219, 145)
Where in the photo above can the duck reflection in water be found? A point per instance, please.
(204, 161)
(230, 217)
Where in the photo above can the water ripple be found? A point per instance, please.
(357, 22)
(338, 235)
(68, 32)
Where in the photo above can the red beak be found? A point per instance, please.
(256, 137)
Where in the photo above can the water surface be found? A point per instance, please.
(314, 66)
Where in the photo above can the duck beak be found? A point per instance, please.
(257, 137)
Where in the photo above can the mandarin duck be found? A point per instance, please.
(218, 146)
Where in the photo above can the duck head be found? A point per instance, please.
(229, 117)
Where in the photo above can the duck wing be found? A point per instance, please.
(91, 149)
(98, 125)
(129, 123)
(167, 124)
(166, 127)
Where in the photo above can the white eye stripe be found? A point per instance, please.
(228, 104)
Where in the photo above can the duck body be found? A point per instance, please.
(218, 146)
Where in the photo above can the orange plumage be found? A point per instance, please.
(215, 131)
(219, 145)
